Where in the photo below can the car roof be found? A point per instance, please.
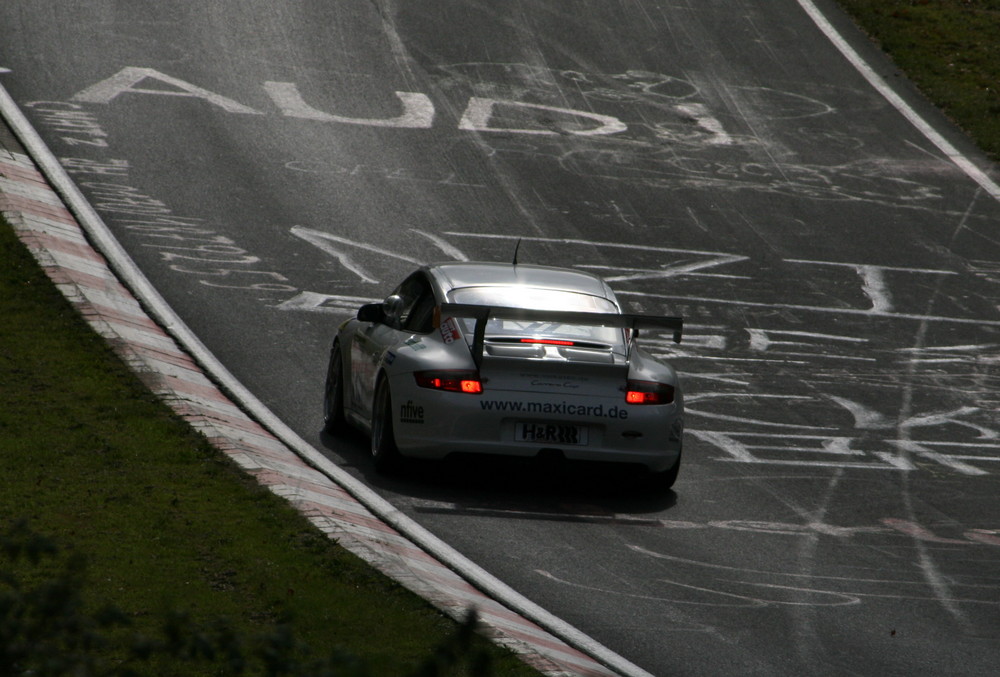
(483, 274)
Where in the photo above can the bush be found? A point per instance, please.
(48, 630)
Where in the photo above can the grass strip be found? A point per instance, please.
(168, 524)
(950, 49)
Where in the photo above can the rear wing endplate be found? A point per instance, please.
(482, 314)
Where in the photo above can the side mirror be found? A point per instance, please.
(371, 312)
(392, 308)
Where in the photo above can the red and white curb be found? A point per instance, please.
(336, 503)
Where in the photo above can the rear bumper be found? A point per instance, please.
(433, 424)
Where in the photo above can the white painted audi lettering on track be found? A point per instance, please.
(506, 359)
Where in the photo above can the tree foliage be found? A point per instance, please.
(47, 629)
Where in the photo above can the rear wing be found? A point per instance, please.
(481, 314)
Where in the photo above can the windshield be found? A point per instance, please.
(539, 299)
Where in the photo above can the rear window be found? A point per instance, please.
(539, 299)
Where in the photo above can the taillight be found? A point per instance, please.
(548, 342)
(457, 381)
(649, 392)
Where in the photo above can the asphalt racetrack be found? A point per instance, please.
(834, 249)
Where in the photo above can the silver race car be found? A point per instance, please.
(510, 359)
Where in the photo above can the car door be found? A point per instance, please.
(373, 341)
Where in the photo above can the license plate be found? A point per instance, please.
(550, 433)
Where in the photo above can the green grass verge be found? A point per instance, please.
(950, 49)
(167, 523)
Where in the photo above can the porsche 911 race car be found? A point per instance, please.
(517, 360)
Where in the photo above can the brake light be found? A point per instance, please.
(548, 342)
(472, 386)
(461, 381)
(649, 392)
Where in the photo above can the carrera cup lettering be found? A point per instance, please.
(553, 384)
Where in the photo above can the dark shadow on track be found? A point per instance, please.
(545, 487)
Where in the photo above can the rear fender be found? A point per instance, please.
(645, 367)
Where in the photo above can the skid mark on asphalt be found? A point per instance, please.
(854, 593)
(811, 526)
(936, 580)
(726, 599)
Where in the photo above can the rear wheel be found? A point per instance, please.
(384, 451)
(333, 393)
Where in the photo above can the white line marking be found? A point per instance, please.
(699, 113)
(817, 309)
(322, 240)
(442, 244)
(594, 243)
(479, 112)
(883, 88)
(325, 303)
(944, 459)
(859, 266)
(418, 111)
(127, 78)
(875, 288)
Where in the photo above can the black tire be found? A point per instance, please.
(385, 453)
(665, 479)
(333, 393)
